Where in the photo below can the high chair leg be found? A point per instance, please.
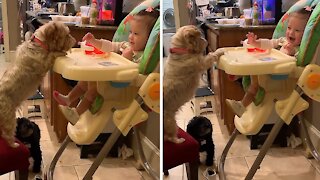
(49, 174)
(222, 175)
(263, 151)
(145, 163)
(307, 139)
(102, 154)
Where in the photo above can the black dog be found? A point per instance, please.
(200, 128)
(28, 133)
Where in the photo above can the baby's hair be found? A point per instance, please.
(150, 17)
(302, 12)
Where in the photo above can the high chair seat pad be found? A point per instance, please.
(151, 54)
(81, 67)
(255, 117)
(238, 61)
(89, 125)
(311, 35)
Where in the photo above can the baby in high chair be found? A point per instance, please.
(141, 25)
(289, 45)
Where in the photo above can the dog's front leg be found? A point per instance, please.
(211, 58)
(58, 54)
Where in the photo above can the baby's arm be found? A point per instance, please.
(102, 44)
(262, 43)
(252, 40)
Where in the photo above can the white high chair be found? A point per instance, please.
(140, 88)
(282, 96)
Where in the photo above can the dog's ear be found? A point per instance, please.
(192, 36)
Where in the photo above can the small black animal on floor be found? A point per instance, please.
(28, 133)
(200, 128)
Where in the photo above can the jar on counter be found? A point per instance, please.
(255, 14)
(93, 13)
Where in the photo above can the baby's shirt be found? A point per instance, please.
(276, 43)
(137, 55)
(119, 47)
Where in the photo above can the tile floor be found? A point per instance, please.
(279, 163)
(70, 166)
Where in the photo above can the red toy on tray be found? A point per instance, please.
(89, 49)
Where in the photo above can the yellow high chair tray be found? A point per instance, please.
(239, 61)
(111, 66)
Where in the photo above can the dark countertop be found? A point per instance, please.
(217, 27)
(214, 26)
(72, 25)
(83, 26)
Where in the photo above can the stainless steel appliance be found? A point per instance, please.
(232, 12)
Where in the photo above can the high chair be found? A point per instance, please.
(129, 91)
(277, 74)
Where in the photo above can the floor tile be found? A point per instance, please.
(117, 171)
(65, 172)
(235, 168)
(285, 163)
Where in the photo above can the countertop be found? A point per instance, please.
(73, 25)
(215, 26)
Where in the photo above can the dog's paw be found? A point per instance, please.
(59, 54)
(176, 140)
(14, 145)
(216, 55)
(180, 140)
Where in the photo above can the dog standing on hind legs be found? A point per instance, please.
(34, 58)
(182, 73)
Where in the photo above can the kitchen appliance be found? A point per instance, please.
(66, 8)
(232, 12)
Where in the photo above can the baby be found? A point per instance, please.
(289, 45)
(141, 25)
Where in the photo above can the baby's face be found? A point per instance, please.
(138, 36)
(295, 30)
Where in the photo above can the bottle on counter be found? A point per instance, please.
(93, 13)
(255, 14)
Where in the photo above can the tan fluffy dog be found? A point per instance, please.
(34, 58)
(182, 72)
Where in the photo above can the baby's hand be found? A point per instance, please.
(88, 37)
(251, 38)
(127, 53)
(290, 49)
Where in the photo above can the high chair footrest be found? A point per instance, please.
(96, 146)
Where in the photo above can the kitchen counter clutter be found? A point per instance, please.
(214, 26)
(78, 30)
